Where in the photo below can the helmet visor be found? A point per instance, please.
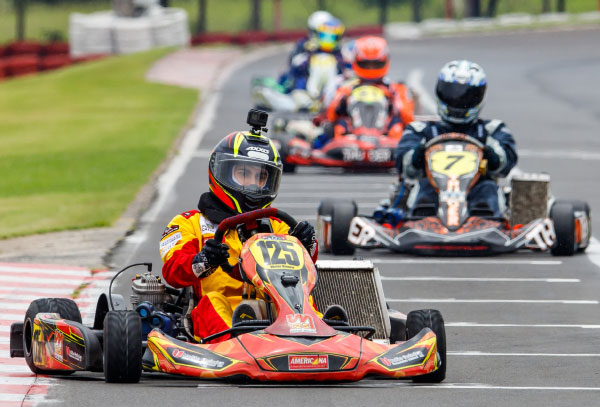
(371, 63)
(252, 176)
(460, 95)
(328, 40)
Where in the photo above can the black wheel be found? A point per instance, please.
(563, 217)
(122, 347)
(580, 206)
(341, 216)
(432, 319)
(65, 307)
(289, 168)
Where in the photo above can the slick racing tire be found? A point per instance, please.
(580, 206)
(122, 347)
(432, 319)
(341, 216)
(563, 217)
(65, 307)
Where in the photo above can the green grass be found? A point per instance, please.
(78, 143)
(233, 15)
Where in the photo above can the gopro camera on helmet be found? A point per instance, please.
(257, 119)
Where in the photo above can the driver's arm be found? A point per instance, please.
(178, 246)
(408, 148)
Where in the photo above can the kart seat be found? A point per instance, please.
(423, 209)
(481, 209)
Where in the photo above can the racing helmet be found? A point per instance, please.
(316, 19)
(460, 91)
(371, 58)
(244, 171)
(328, 34)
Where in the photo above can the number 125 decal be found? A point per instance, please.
(278, 254)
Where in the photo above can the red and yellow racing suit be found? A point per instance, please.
(219, 293)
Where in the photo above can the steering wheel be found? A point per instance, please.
(247, 217)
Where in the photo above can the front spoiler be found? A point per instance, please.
(425, 237)
(264, 357)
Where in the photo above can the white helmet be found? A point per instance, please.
(460, 91)
(317, 18)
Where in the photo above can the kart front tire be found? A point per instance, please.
(563, 217)
(122, 347)
(341, 216)
(432, 319)
(65, 307)
(289, 168)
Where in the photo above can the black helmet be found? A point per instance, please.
(460, 91)
(244, 171)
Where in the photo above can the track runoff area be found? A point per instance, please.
(521, 328)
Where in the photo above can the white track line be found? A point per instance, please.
(499, 262)
(561, 154)
(53, 272)
(593, 251)
(39, 281)
(494, 301)
(477, 325)
(414, 80)
(475, 386)
(53, 291)
(550, 355)
(483, 279)
(24, 381)
(25, 398)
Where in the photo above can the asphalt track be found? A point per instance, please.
(522, 329)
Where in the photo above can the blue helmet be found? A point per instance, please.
(460, 91)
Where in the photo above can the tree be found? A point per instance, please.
(491, 9)
(201, 16)
(561, 6)
(473, 8)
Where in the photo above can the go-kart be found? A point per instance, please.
(287, 341)
(366, 146)
(453, 164)
(268, 94)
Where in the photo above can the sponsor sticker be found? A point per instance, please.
(169, 242)
(198, 360)
(379, 155)
(402, 359)
(300, 323)
(71, 354)
(169, 230)
(58, 345)
(308, 362)
(360, 232)
(207, 226)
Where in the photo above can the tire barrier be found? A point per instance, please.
(106, 33)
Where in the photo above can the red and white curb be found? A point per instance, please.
(19, 285)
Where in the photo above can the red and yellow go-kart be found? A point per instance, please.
(366, 146)
(287, 342)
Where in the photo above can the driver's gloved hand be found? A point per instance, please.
(493, 160)
(212, 255)
(418, 157)
(305, 232)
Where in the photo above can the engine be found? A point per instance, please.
(148, 299)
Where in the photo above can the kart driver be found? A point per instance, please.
(460, 92)
(371, 64)
(244, 173)
(324, 38)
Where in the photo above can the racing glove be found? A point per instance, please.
(418, 157)
(212, 255)
(305, 232)
(493, 160)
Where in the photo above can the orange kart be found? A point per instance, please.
(289, 343)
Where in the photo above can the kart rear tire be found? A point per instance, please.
(341, 216)
(65, 307)
(563, 217)
(580, 206)
(289, 168)
(432, 319)
(122, 347)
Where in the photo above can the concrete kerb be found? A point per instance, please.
(437, 27)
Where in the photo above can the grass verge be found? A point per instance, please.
(78, 143)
